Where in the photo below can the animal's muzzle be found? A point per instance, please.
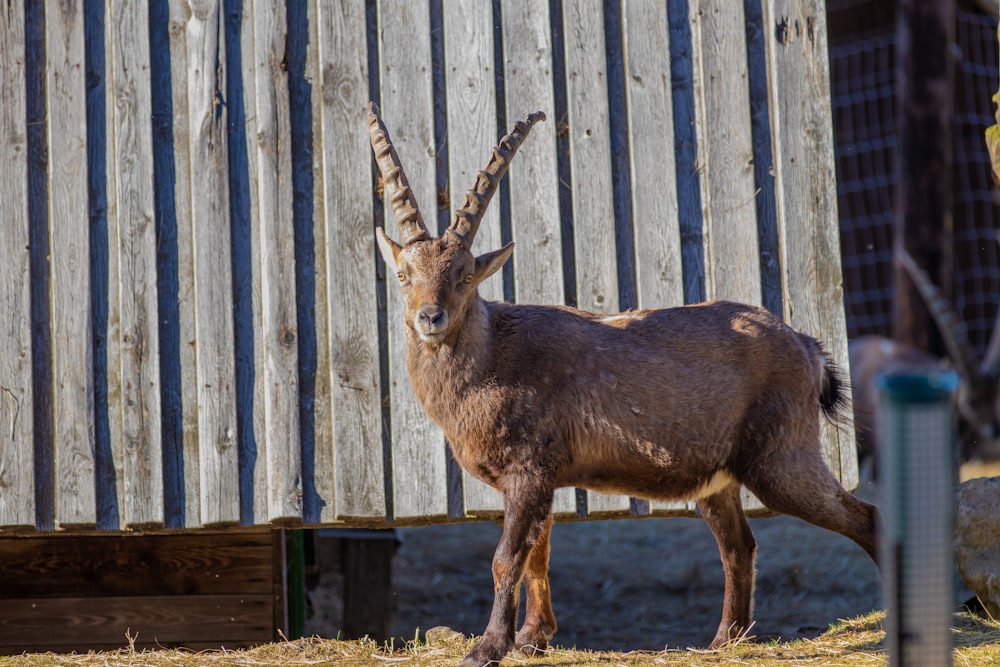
(432, 320)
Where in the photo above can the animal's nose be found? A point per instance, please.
(431, 316)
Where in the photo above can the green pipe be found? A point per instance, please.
(295, 582)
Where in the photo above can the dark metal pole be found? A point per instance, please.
(925, 31)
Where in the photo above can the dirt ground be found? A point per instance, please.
(624, 584)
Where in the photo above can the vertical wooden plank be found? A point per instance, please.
(180, 13)
(805, 191)
(72, 350)
(534, 179)
(133, 354)
(207, 255)
(334, 39)
(276, 337)
(317, 465)
(114, 348)
(468, 46)
(259, 505)
(725, 150)
(590, 163)
(651, 155)
(350, 474)
(17, 492)
(418, 458)
(590, 156)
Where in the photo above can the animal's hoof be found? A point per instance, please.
(530, 643)
(484, 653)
(726, 637)
(530, 650)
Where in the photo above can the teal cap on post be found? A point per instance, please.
(918, 387)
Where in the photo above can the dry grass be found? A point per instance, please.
(974, 469)
(851, 643)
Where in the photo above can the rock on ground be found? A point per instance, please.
(977, 540)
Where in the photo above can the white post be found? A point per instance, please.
(916, 475)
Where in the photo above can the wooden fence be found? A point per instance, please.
(197, 328)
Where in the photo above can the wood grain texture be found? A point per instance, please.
(651, 155)
(159, 621)
(725, 151)
(349, 462)
(274, 253)
(212, 297)
(203, 563)
(69, 252)
(806, 194)
(180, 14)
(534, 178)
(418, 456)
(133, 333)
(209, 588)
(590, 163)
(349, 480)
(534, 181)
(468, 45)
(17, 474)
(261, 182)
(319, 472)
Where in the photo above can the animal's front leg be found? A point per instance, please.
(539, 619)
(527, 506)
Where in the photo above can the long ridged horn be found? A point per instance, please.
(953, 331)
(394, 183)
(464, 226)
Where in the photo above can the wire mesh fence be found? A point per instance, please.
(862, 66)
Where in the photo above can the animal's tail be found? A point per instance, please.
(833, 398)
(833, 391)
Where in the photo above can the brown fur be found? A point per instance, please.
(668, 404)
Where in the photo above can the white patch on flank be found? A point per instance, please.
(720, 480)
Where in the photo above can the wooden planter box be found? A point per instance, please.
(199, 590)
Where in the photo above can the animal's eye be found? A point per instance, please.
(468, 279)
(401, 276)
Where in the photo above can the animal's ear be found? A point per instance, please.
(389, 248)
(489, 263)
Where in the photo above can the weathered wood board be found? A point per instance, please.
(348, 396)
(17, 473)
(222, 344)
(407, 101)
(207, 590)
(133, 335)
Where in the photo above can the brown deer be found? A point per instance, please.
(977, 402)
(679, 403)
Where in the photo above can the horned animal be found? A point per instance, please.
(977, 401)
(678, 403)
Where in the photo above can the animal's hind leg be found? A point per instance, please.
(723, 512)
(799, 483)
(539, 619)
